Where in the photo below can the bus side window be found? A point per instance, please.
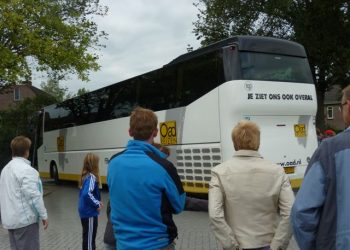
(157, 89)
(199, 75)
(124, 98)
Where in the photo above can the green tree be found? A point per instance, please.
(59, 93)
(322, 26)
(53, 36)
(82, 91)
(21, 119)
(53, 88)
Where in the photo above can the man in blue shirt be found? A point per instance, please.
(145, 189)
(320, 215)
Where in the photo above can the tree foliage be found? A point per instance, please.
(322, 26)
(53, 36)
(21, 119)
(53, 88)
(82, 91)
(59, 93)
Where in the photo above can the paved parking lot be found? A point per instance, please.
(64, 230)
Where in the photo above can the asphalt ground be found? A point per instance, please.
(64, 231)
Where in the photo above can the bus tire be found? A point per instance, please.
(54, 173)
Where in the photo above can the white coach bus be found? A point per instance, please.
(198, 98)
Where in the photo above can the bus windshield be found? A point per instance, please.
(273, 67)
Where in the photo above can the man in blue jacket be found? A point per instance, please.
(145, 190)
(320, 215)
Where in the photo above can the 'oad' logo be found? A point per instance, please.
(168, 133)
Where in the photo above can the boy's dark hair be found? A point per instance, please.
(20, 145)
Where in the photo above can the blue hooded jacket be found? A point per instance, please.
(145, 190)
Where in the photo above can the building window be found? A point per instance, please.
(330, 113)
(16, 94)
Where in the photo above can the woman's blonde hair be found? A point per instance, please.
(246, 135)
(90, 166)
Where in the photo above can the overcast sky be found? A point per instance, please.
(143, 36)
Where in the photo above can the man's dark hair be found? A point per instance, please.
(142, 123)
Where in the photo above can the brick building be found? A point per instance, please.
(332, 108)
(10, 96)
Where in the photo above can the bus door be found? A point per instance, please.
(38, 139)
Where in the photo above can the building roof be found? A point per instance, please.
(333, 95)
(37, 91)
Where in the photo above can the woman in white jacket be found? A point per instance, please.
(21, 198)
(250, 199)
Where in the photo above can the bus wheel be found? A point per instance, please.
(54, 172)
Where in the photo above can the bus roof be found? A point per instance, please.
(249, 43)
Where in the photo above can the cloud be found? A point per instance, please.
(143, 36)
